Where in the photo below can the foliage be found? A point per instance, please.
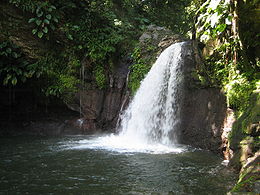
(170, 14)
(239, 90)
(100, 76)
(138, 70)
(13, 65)
(240, 138)
(64, 87)
(96, 31)
(59, 80)
(25, 5)
(247, 185)
(44, 20)
(214, 19)
(227, 67)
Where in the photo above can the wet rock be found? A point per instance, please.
(100, 108)
(51, 127)
(202, 117)
(228, 123)
(169, 40)
(203, 109)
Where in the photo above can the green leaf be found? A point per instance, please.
(4, 44)
(45, 30)
(55, 19)
(31, 73)
(32, 20)
(19, 72)
(40, 13)
(38, 22)
(5, 82)
(15, 55)
(53, 7)
(38, 10)
(9, 50)
(34, 31)
(221, 27)
(70, 37)
(15, 46)
(40, 34)
(14, 80)
(48, 16)
(46, 21)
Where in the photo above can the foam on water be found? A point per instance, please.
(118, 144)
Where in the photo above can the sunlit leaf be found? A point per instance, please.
(46, 21)
(40, 34)
(32, 20)
(14, 80)
(38, 22)
(34, 31)
(45, 30)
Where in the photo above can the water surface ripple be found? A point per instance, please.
(86, 165)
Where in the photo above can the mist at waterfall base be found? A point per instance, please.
(143, 158)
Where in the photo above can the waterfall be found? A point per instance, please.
(153, 116)
(152, 119)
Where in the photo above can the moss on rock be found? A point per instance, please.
(244, 141)
(247, 124)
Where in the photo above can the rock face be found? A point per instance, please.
(202, 117)
(203, 109)
(100, 108)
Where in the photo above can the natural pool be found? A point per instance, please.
(84, 165)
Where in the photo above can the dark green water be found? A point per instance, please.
(35, 165)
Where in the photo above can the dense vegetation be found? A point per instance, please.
(234, 61)
(89, 31)
(232, 31)
(57, 47)
(61, 41)
(93, 33)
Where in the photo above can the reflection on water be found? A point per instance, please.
(89, 165)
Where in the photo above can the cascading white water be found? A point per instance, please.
(150, 122)
(153, 115)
